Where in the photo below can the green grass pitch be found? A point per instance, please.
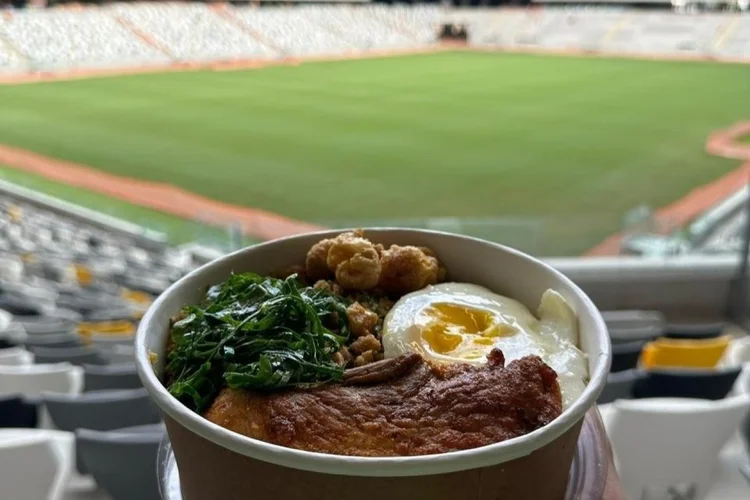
(546, 153)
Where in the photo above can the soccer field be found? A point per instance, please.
(542, 152)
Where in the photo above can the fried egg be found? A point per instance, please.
(462, 323)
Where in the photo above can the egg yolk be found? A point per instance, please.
(446, 327)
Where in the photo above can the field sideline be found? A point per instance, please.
(543, 152)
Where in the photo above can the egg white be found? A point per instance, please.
(553, 336)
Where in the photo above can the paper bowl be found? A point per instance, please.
(217, 464)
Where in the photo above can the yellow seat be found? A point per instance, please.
(137, 297)
(83, 274)
(106, 328)
(15, 213)
(673, 353)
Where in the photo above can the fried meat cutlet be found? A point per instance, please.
(400, 407)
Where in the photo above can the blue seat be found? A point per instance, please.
(625, 356)
(619, 386)
(52, 340)
(16, 411)
(123, 463)
(687, 383)
(109, 377)
(73, 355)
(694, 331)
(101, 410)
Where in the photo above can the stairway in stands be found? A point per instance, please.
(226, 12)
(144, 37)
(8, 47)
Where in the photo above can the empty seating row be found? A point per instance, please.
(610, 31)
(38, 464)
(71, 402)
(77, 291)
(668, 447)
(192, 32)
(157, 34)
(60, 39)
(697, 384)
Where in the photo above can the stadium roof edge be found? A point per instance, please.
(146, 237)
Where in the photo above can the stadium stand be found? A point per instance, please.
(192, 32)
(124, 35)
(373, 31)
(73, 281)
(610, 31)
(79, 283)
(62, 39)
(75, 289)
(292, 31)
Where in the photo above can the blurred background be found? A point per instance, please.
(141, 140)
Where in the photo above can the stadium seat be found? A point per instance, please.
(101, 410)
(672, 353)
(119, 354)
(74, 355)
(61, 321)
(20, 307)
(16, 411)
(685, 383)
(106, 342)
(122, 463)
(29, 468)
(619, 386)
(15, 356)
(33, 380)
(48, 469)
(119, 328)
(52, 340)
(109, 377)
(625, 356)
(694, 331)
(113, 314)
(631, 335)
(663, 443)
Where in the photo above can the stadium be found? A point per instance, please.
(139, 141)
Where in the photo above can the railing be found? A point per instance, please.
(684, 288)
(145, 237)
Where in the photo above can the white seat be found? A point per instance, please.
(35, 464)
(15, 356)
(105, 343)
(662, 443)
(738, 354)
(118, 354)
(32, 380)
(6, 319)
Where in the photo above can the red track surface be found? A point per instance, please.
(162, 197)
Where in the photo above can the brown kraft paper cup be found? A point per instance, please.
(217, 464)
(210, 472)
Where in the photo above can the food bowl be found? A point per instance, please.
(217, 464)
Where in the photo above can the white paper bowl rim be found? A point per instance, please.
(374, 466)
